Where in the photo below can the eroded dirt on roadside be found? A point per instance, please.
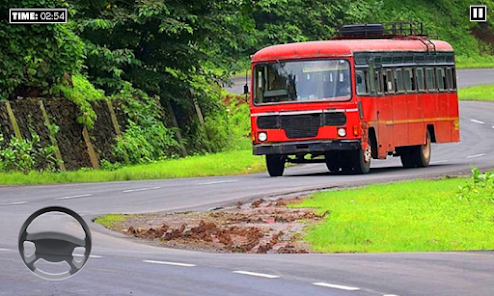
(263, 226)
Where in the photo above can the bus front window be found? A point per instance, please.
(280, 82)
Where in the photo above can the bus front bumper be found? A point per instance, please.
(305, 147)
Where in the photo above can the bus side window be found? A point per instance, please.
(378, 82)
(361, 82)
(449, 79)
(408, 79)
(440, 78)
(399, 81)
(388, 81)
(430, 80)
(420, 79)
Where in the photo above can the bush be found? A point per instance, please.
(27, 155)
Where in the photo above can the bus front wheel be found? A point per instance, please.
(417, 156)
(275, 164)
(362, 160)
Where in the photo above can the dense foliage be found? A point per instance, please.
(178, 54)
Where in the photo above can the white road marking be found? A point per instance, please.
(217, 182)
(477, 121)
(440, 161)
(269, 276)
(4, 250)
(140, 189)
(13, 203)
(347, 288)
(493, 126)
(73, 196)
(390, 295)
(169, 263)
(476, 155)
(90, 256)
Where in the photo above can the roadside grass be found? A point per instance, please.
(109, 220)
(463, 62)
(402, 217)
(219, 164)
(477, 93)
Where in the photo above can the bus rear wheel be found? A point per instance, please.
(417, 156)
(275, 164)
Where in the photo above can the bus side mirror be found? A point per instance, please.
(246, 89)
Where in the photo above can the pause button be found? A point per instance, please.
(478, 13)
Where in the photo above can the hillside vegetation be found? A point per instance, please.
(177, 55)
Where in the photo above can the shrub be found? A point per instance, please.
(26, 155)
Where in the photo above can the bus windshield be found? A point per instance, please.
(298, 81)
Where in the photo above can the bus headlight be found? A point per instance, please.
(262, 137)
(342, 132)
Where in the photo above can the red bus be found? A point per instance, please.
(368, 93)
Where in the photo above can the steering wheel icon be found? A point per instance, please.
(54, 246)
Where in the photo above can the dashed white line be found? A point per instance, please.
(90, 256)
(169, 263)
(4, 250)
(217, 182)
(264, 275)
(14, 203)
(390, 295)
(346, 288)
(477, 121)
(476, 155)
(140, 189)
(73, 196)
(440, 161)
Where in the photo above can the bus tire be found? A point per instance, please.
(417, 156)
(332, 163)
(423, 153)
(275, 164)
(362, 160)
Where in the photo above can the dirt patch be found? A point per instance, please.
(263, 226)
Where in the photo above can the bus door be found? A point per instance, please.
(385, 113)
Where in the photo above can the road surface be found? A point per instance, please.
(125, 266)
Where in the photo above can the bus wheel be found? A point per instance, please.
(275, 164)
(424, 152)
(362, 160)
(417, 156)
(332, 163)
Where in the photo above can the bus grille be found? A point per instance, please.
(301, 126)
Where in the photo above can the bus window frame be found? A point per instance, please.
(424, 89)
(412, 80)
(397, 88)
(442, 79)
(386, 81)
(365, 81)
(434, 89)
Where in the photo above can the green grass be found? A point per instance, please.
(402, 217)
(224, 163)
(477, 93)
(109, 220)
(474, 62)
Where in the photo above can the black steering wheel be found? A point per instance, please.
(54, 246)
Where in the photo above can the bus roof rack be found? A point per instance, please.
(396, 30)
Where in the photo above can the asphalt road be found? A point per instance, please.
(124, 266)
